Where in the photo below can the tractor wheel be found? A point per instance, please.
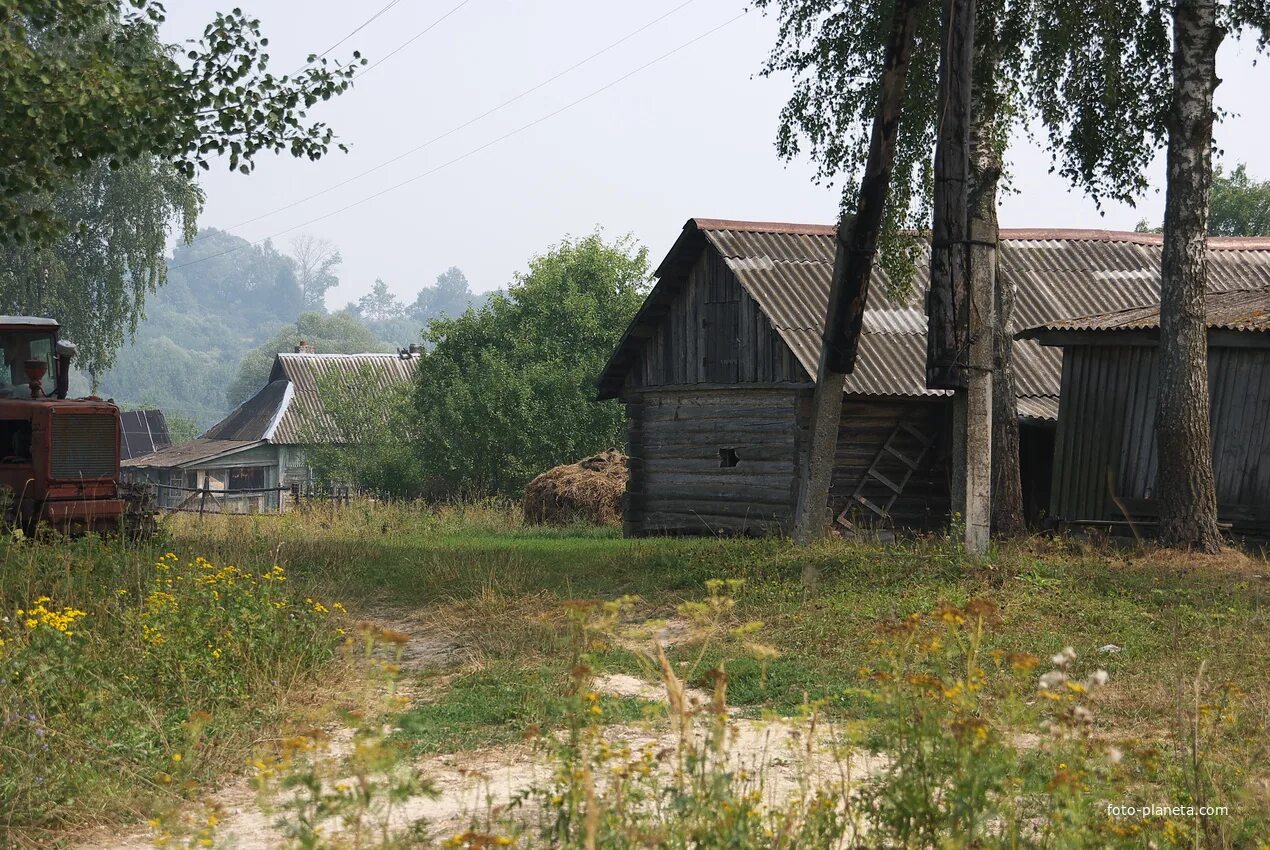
(139, 512)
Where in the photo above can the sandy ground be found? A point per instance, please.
(473, 787)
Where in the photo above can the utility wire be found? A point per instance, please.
(465, 124)
(359, 28)
(372, 66)
(474, 151)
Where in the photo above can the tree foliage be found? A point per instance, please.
(340, 333)
(95, 278)
(367, 442)
(88, 81)
(507, 391)
(224, 296)
(315, 263)
(380, 305)
(451, 295)
(1240, 204)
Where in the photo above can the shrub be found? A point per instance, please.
(135, 691)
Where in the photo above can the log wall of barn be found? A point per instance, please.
(866, 427)
(711, 461)
(1105, 444)
(713, 332)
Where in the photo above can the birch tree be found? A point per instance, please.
(833, 49)
(1121, 110)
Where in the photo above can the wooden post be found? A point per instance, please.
(959, 307)
(857, 241)
(202, 502)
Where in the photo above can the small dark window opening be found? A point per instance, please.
(728, 458)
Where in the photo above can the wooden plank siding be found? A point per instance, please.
(682, 478)
(715, 377)
(1105, 446)
(713, 332)
(865, 426)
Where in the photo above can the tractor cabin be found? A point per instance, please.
(716, 372)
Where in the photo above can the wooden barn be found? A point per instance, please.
(1105, 451)
(716, 373)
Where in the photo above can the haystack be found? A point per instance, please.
(590, 490)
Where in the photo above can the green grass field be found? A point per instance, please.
(496, 594)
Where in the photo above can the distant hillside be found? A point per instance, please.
(226, 298)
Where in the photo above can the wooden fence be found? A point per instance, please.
(246, 500)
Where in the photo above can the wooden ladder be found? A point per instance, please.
(893, 482)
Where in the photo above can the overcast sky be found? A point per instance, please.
(690, 135)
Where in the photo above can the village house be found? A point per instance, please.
(1105, 448)
(716, 371)
(251, 457)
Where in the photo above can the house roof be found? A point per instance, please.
(143, 432)
(195, 452)
(286, 409)
(255, 418)
(1245, 310)
(303, 372)
(1057, 274)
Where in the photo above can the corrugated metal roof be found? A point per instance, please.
(187, 454)
(1237, 310)
(305, 371)
(142, 432)
(251, 419)
(1057, 274)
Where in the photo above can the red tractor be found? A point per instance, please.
(59, 457)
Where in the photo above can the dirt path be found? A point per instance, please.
(474, 786)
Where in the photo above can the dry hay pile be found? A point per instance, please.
(590, 490)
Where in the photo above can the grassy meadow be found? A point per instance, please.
(150, 671)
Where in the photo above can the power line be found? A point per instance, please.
(372, 66)
(465, 124)
(477, 150)
(358, 29)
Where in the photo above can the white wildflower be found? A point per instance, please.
(1052, 680)
(1081, 714)
(1063, 658)
(1096, 679)
(1114, 755)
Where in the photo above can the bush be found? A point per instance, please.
(135, 678)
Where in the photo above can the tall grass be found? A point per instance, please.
(129, 675)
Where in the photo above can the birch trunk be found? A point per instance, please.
(1185, 485)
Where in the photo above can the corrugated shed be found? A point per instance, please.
(1237, 310)
(1057, 274)
(142, 432)
(300, 418)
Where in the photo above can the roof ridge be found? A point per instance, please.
(1018, 234)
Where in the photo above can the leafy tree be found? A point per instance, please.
(1159, 88)
(336, 334)
(224, 296)
(88, 81)
(315, 263)
(379, 304)
(507, 391)
(370, 445)
(1240, 204)
(834, 51)
(95, 278)
(450, 296)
